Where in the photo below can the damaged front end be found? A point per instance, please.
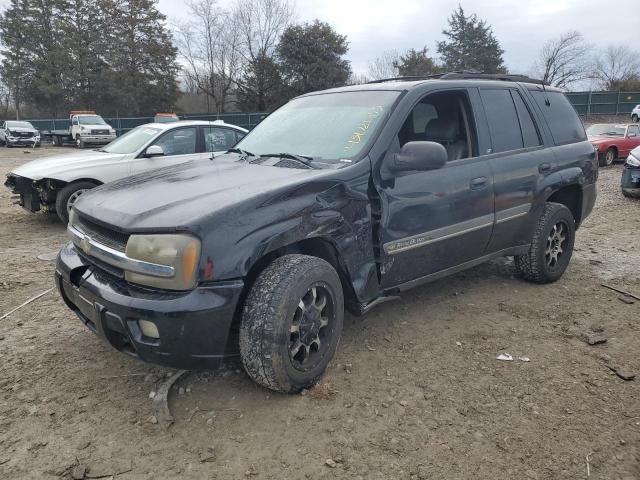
(33, 195)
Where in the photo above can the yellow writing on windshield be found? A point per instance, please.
(361, 130)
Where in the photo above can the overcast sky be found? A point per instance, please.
(373, 26)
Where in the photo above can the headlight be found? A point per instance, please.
(182, 252)
(632, 161)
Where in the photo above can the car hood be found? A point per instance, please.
(181, 197)
(22, 129)
(57, 166)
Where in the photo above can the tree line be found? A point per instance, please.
(122, 57)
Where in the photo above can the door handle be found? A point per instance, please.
(478, 182)
(544, 167)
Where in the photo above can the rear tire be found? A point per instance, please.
(67, 197)
(55, 141)
(291, 323)
(608, 158)
(551, 246)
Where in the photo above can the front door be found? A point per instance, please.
(179, 145)
(438, 219)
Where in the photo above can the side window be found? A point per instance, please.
(561, 117)
(444, 118)
(634, 130)
(240, 135)
(530, 134)
(75, 120)
(218, 139)
(503, 120)
(181, 141)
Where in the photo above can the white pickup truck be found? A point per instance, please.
(55, 183)
(85, 128)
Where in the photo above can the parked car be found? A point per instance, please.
(18, 133)
(55, 183)
(613, 141)
(345, 197)
(630, 182)
(85, 128)
(635, 114)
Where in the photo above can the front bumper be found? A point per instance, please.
(29, 196)
(24, 142)
(98, 139)
(630, 181)
(194, 326)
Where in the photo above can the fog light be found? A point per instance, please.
(148, 329)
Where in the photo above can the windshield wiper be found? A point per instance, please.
(305, 160)
(243, 153)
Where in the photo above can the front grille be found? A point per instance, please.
(103, 235)
(99, 132)
(23, 134)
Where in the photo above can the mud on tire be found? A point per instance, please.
(551, 246)
(291, 323)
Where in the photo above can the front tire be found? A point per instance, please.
(551, 246)
(79, 142)
(291, 323)
(68, 196)
(634, 118)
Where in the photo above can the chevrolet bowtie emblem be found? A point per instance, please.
(85, 243)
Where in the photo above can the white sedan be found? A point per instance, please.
(55, 183)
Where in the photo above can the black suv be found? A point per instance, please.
(341, 198)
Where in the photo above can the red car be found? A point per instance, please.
(613, 141)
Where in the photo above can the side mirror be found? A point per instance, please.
(154, 151)
(419, 156)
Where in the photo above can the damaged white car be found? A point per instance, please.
(55, 183)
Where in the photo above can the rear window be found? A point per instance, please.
(561, 117)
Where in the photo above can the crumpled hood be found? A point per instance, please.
(181, 197)
(57, 166)
(22, 129)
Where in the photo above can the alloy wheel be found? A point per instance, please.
(74, 197)
(556, 244)
(311, 328)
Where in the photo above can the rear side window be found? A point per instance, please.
(561, 117)
(503, 120)
(530, 135)
(634, 130)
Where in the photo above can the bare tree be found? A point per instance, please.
(615, 66)
(209, 46)
(564, 60)
(359, 78)
(384, 66)
(261, 23)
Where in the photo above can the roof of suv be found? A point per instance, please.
(476, 79)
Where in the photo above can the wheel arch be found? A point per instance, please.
(571, 197)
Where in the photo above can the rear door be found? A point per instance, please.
(179, 145)
(518, 160)
(442, 218)
(218, 140)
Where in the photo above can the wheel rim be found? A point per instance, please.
(74, 197)
(78, 142)
(609, 157)
(557, 242)
(311, 328)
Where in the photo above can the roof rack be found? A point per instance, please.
(464, 75)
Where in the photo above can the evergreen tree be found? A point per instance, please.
(470, 45)
(416, 62)
(310, 57)
(261, 88)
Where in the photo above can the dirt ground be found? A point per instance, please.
(415, 392)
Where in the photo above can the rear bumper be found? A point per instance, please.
(194, 326)
(589, 193)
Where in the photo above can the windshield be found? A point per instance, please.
(91, 120)
(326, 127)
(132, 141)
(19, 125)
(606, 129)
